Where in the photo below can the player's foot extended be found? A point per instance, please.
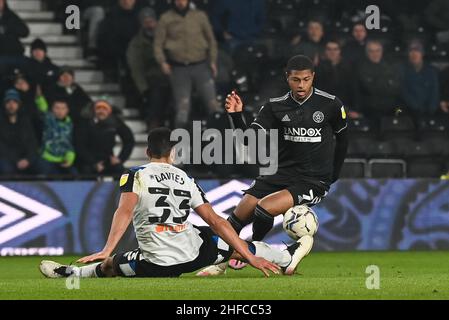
(237, 264)
(213, 270)
(52, 269)
(298, 251)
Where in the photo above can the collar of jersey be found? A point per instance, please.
(301, 103)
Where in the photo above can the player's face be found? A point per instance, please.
(300, 83)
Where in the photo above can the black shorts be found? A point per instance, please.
(212, 251)
(303, 192)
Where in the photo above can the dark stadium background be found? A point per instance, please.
(393, 192)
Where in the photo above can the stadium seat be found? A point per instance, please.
(360, 147)
(393, 127)
(361, 128)
(387, 168)
(433, 127)
(354, 168)
(383, 149)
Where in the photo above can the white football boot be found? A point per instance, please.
(213, 270)
(298, 251)
(52, 269)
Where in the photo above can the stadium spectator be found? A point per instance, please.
(96, 141)
(333, 73)
(116, 31)
(437, 15)
(354, 49)
(93, 13)
(377, 84)
(444, 90)
(58, 153)
(238, 22)
(39, 67)
(18, 144)
(312, 45)
(152, 84)
(12, 28)
(187, 65)
(27, 93)
(68, 90)
(419, 83)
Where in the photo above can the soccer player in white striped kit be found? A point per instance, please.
(158, 197)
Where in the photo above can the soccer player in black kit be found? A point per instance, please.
(312, 147)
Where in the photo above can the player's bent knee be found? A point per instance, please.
(107, 268)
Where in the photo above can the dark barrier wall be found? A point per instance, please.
(74, 217)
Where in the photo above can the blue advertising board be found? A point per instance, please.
(54, 218)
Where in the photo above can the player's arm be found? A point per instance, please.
(339, 125)
(120, 222)
(224, 230)
(130, 190)
(234, 107)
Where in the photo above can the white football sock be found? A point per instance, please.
(86, 271)
(281, 258)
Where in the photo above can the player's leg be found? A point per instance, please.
(52, 269)
(266, 209)
(243, 213)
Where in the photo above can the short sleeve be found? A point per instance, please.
(129, 182)
(338, 121)
(198, 196)
(264, 119)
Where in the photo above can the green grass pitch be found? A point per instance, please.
(403, 275)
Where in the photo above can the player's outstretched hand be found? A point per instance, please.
(233, 103)
(94, 257)
(264, 265)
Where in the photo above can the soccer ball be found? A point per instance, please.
(300, 221)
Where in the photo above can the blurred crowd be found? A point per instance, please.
(176, 59)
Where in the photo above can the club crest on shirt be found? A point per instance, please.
(123, 179)
(318, 116)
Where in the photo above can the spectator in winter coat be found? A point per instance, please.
(58, 153)
(238, 22)
(333, 74)
(68, 90)
(96, 141)
(12, 28)
(377, 84)
(116, 31)
(39, 68)
(18, 145)
(354, 49)
(188, 66)
(152, 84)
(28, 107)
(420, 87)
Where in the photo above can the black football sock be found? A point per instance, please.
(236, 223)
(263, 222)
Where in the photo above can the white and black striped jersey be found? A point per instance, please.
(166, 195)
